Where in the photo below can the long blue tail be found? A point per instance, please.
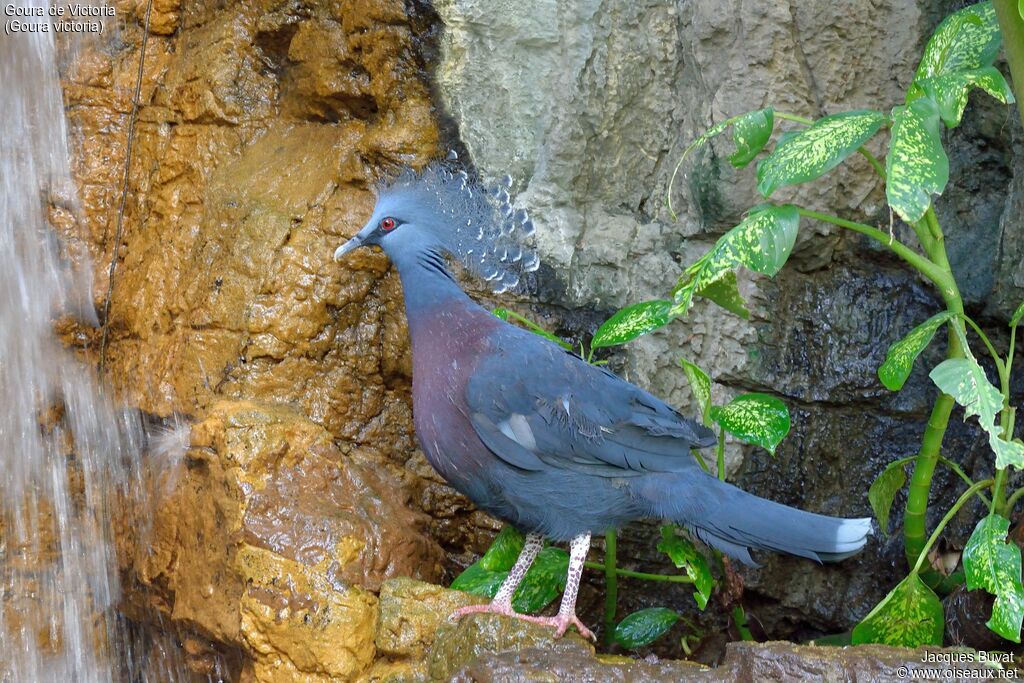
(734, 521)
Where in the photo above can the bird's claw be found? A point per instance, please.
(560, 622)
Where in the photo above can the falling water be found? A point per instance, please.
(66, 451)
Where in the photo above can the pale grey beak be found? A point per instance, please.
(351, 245)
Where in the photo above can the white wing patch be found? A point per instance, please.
(518, 429)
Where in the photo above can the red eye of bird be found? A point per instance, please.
(388, 224)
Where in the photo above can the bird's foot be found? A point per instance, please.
(560, 622)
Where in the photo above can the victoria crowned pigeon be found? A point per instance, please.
(531, 433)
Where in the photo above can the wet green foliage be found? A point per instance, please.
(992, 563)
(899, 361)
(910, 615)
(645, 626)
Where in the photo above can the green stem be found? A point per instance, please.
(1011, 25)
(988, 345)
(1012, 500)
(739, 617)
(720, 455)
(611, 585)
(945, 520)
(930, 270)
(700, 461)
(643, 576)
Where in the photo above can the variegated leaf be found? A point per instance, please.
(725, 292)
(965, 381)
(700, 385)
(758, 419)
(815, 151)
(965, 40)
(950, 90)
(909, 616)
(917, 166)
(899, 361)
(750, 134)
(1007, 452)
(684, 555)
(995, 565)
(632, 322)
(761, 242)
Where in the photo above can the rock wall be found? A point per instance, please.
(260, 128)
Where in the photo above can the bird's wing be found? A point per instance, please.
(535, 406)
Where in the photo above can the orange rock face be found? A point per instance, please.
(260, 129)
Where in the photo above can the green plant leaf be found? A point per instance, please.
(758, 419)
(700, 385)
(632, 322)
(965, 40)
(899, 361)
(644, 627)
(1007, 452)
(1020, 8)
(684, 555)
(761, 242)
(1019, 313)
(478, 581)
(726, 293)
(965, 381)
(543, 583)
(816, 150)
(751, 133)
(950, 91)
(883, 491)
(504, 550)
(909, 616)
(917, 166)
(993, 564)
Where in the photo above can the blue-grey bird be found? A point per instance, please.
(531, 433)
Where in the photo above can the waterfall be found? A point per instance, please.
(67, 452)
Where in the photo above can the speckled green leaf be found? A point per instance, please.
(761, 242)
(899, 361)
(965, 40)
(632, 322)
(758, 419)
(965, 381)
(993, 564)
(700, 385)
(504, 550)
(684, 555)
(543, 583)
(818, 149)
(751, 133)
(909, 616)
(917, 166)
(1018, 315)
(644, 627)
(726, 293)
(883, 491)
(950, 91)
(1007, 452)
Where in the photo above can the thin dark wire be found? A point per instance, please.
(124, 189)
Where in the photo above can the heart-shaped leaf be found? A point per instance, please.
(883, 491)
(632, 322)
(700, 385)
(751, 133)
(917, 166)
(684, 555)
(899, 361)
(758, 419)
(818, 149)
(995, 565)
(909, 616)
(644, 627)
(761, 242)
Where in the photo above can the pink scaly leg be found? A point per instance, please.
(502, 602)
(566, 617)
